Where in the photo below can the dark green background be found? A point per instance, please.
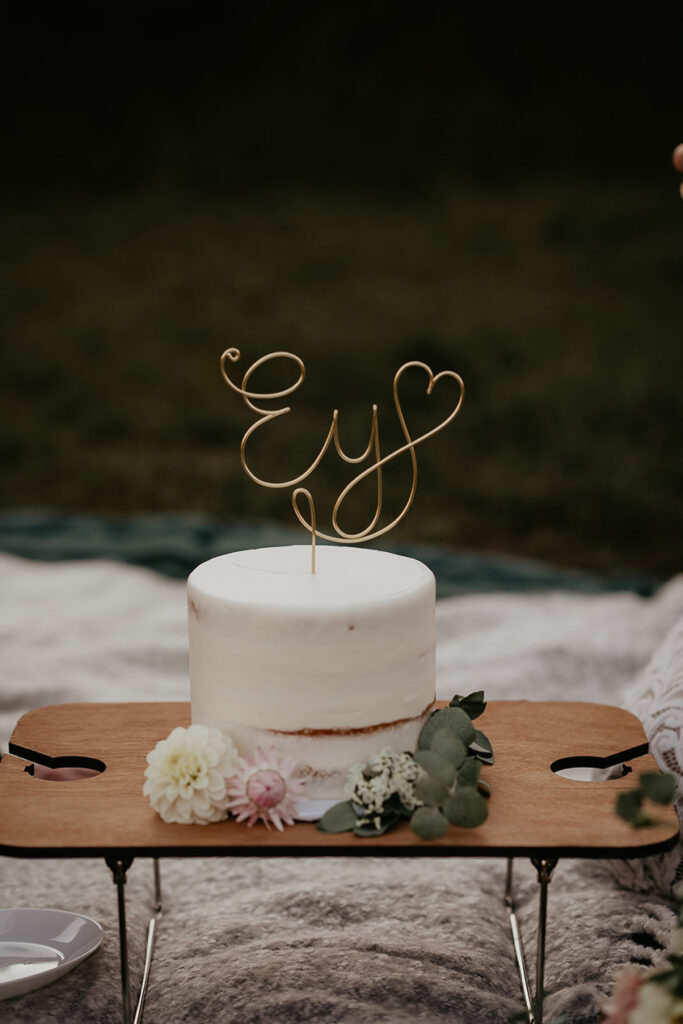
(483, 187)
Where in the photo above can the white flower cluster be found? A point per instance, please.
(386, 773)
(187, 775)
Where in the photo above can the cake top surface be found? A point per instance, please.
(282, 576)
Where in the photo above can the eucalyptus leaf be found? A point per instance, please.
(447, 744)
(473, 705)
(386, 821)
(469, 772)
(482, 740)
(466, 808)
(428, 730)
(428, 823)
(484, 788)
(453, 719)
(658, 787)
(481, 747)
(629, 807)
(436, 766)
(431, 791)
(392, 804)
(367, 831)
(339, 818)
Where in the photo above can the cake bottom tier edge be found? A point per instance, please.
(324, 757)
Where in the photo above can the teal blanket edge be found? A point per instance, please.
(174, 543)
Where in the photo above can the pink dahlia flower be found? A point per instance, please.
(265, 787)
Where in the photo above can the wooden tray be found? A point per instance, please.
(532, 811)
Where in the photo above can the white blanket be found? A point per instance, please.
(357, 941)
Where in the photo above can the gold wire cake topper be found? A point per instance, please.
(370, 532)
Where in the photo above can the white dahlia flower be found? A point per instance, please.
(187, 775)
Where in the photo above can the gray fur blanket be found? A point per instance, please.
(249, 941)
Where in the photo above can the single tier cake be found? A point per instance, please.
(328, 667)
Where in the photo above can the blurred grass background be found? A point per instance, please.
(362, 186)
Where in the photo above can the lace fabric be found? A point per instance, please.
(656, 697)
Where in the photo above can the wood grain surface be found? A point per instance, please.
(532, 811)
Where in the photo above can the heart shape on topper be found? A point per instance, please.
(376, 467)
(434, 379)
(271, 415)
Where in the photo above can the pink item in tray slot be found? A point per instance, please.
(68, 774)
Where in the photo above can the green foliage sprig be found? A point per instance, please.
(658, 787)
(445, 789)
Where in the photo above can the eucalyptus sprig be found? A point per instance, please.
(445, 787)
(658, 787)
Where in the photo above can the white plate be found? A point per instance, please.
(38, 946)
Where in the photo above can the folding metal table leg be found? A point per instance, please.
(119, 868)
(149, 950)
(544, 870)
(518, 945)
(533, 1004)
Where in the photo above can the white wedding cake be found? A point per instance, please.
(327, 667)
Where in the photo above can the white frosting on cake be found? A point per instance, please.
(328, 666)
